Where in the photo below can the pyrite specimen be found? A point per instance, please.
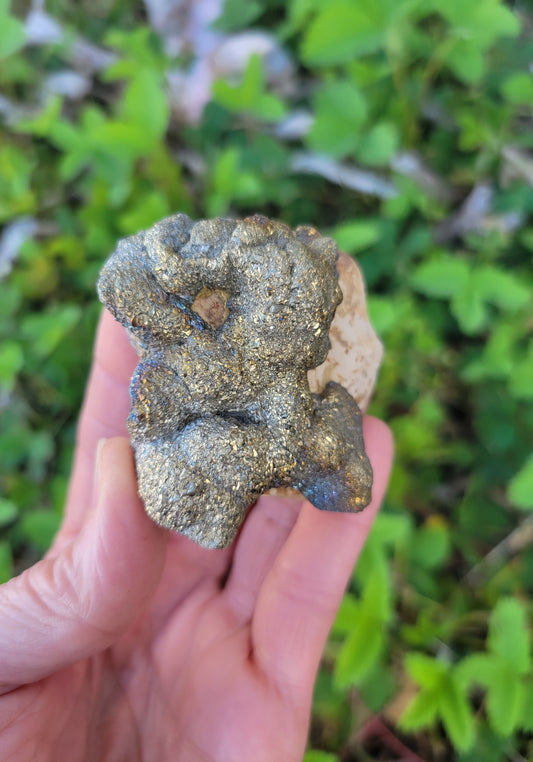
(228, 316)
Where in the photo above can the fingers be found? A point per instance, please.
(300, 596)
(264, 532)
(105, 410)
(71, 606)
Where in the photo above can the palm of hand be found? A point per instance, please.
(127, 643)
(182, 683)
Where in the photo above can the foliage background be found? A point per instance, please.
(402, 128)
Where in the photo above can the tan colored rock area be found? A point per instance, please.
(356, 351)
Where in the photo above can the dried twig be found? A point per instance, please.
(346, 175)
(376, 728)
(514, 543)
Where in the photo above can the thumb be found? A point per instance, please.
(77, 603)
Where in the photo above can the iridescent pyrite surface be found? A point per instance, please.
(227, 317)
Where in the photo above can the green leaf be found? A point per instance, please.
(141, 48)
(249, 96)
(476, 669)
(361, 649)
(474, 133)
(496, 21)
(226, 170)
(42, 124)
(365, 640)
(509, 635)
(237, 14)
(421, 712)
(379, 686)
(383, 314)
(526, 720)
(347, 615)
(39, 452)
(521, 378)
(521, 486)
(467, 303)
(340, 110)
(39, 528)
(379, 145)
(11, 361)
(231, 181)
(518, 89)
(466, 61)
(377, 592)
(488, 747)
(479, 23)
(47, 329)
(76, 152)
(120, 141)
(505, 290)
(269, 108)
(243, 96)
(417, 438)
(456, 714)
(355, 235)
(298, 12)
(424, 670)
(340, 33)
(373, 556)
(145, 105)
(147, 210)
(8, 512)
(6, 562)
(391, 529)
(12, 34)
(16, 168)
(319, 756)
(430, 547)
(499, 352)
(441, 278)
(468, 308)
(505, 701)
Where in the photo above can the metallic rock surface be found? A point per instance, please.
(228, 317)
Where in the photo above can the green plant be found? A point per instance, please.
(422, 111)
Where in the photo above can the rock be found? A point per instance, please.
(356, 352)
(228, 318)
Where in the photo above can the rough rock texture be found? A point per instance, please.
(356, 352)
(228, 317)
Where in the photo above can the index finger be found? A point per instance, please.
(104, 413)
(300, 595)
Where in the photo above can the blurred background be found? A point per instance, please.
(403, 128)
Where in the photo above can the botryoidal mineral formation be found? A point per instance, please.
(227, 317)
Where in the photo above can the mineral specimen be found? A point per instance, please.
(228, 316)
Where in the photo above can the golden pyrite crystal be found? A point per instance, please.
(228, 316)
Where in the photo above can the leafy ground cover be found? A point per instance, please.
(401, 127)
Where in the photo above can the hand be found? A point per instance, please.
(128, 643)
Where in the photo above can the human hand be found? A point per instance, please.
(130, 643)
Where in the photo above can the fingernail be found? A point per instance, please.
(98, 460)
